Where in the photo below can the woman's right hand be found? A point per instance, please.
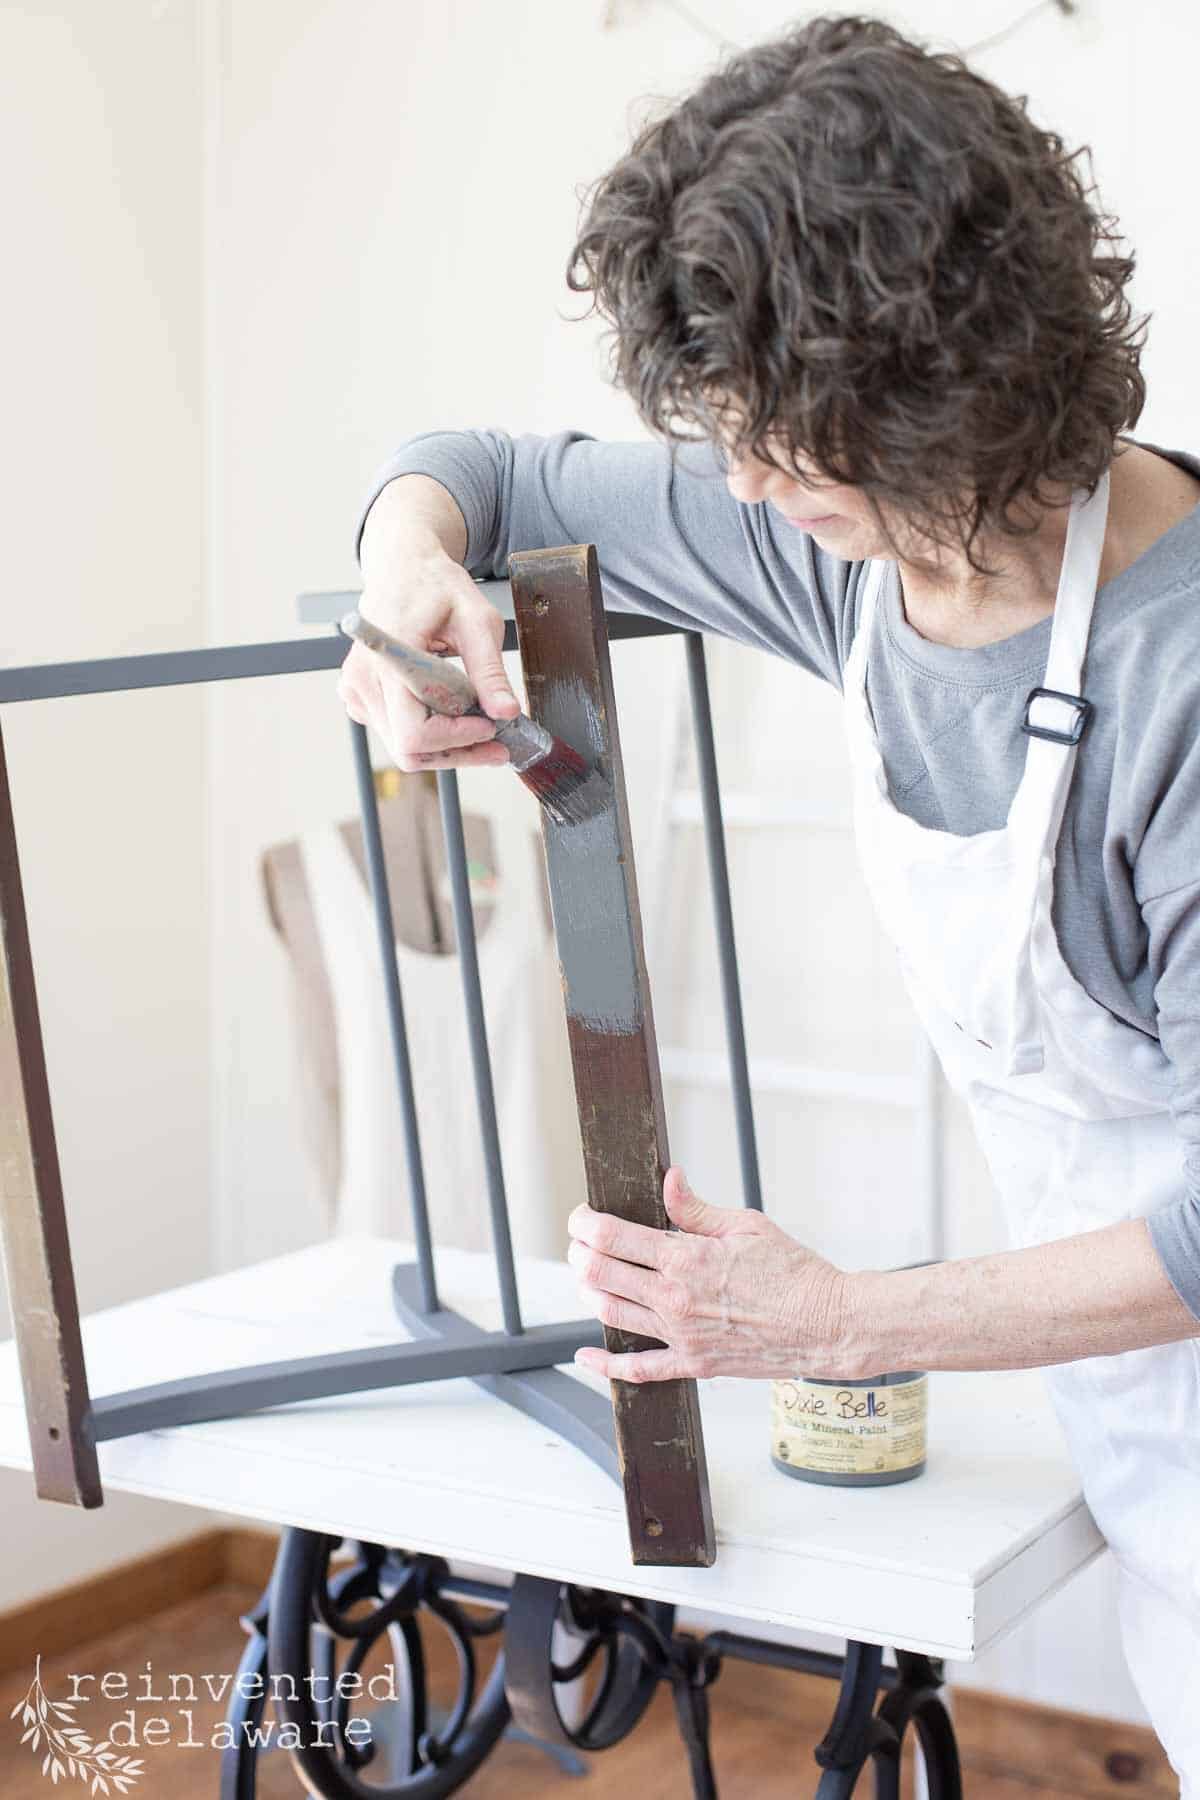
(427, 599)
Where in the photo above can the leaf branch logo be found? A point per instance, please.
(69, 1752)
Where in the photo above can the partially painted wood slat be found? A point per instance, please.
(37, 1252)
(618, 1086)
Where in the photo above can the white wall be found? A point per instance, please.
(101, 469)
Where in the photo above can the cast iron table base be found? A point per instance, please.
(309, 1635)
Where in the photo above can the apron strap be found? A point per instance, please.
(1035, 819)
(1076, 595)
(1055, 713)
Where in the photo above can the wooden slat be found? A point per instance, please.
(33, 1222)
(564, 651)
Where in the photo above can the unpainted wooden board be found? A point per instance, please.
(33, 1220)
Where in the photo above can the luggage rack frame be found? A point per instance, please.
(66, 1421)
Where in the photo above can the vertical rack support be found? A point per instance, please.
(382, 908)
(718, 875)
(610, 1026)
(481, 1062)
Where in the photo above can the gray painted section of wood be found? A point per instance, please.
(596, 951)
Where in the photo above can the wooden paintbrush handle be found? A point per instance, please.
(438, 684)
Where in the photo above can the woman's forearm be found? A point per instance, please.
(1092, 1295)
(411, 515)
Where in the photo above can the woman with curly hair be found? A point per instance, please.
(880, 331)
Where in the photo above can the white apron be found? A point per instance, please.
(1070, 1106)
(531, 1066)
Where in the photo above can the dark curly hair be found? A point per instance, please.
(846, 248)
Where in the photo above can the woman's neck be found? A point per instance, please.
(952, 604)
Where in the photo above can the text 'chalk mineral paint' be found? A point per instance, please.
(850, 1433)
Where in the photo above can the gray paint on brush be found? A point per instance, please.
(587, 885)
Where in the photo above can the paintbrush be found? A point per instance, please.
(554, 773)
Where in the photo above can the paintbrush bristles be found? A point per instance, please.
(565, 786)
(553, 772)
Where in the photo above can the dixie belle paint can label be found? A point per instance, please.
(850, 1433)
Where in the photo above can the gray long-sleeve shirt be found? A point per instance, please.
(674, 544)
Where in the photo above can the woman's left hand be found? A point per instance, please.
(729, 1293)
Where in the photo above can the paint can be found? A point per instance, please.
(868, 1433)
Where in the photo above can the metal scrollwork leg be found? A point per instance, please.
(860, 1734)
(239, 1762)
(578, 1668)
(636, 1640)
(855, 1733)
(631, 1636)
(311, 1618)
(916, 1698)
(691, 1673)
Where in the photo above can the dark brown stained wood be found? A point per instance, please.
(37, 1253)
(593, 888)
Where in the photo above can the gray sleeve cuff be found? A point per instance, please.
(1175, 1234)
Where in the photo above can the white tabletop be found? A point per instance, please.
(944, 1564)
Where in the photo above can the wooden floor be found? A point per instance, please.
(765, 1723)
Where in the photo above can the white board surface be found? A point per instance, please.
(944, 1564)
